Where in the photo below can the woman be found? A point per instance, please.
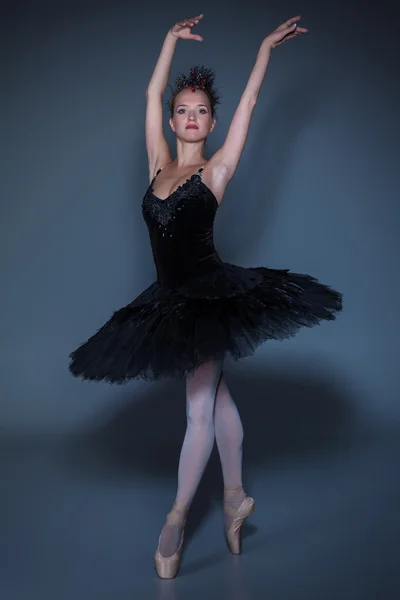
(200, 308)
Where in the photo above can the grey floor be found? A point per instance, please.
(80, 522)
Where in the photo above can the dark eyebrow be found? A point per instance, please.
(196, 105)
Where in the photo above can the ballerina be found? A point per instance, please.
(200, 309)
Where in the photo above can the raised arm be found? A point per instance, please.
(158, 152)
(228, 156)
(156, 144)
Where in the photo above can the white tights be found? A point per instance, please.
(211, 415)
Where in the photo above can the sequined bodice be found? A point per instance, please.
(181, 231)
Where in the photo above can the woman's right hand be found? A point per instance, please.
(182, 29)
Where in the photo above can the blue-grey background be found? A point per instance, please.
(316, 191)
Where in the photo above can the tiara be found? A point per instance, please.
(200, 77)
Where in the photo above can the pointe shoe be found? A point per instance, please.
(167, 567)
(234, 533)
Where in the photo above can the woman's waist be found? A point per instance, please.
(183, 267)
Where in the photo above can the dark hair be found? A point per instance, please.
(201, 78)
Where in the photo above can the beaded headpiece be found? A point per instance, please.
(200, 77)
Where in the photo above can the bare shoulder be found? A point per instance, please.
(216, 177)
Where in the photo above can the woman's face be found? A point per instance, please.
(192, 108)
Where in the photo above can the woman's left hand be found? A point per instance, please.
(286, 31)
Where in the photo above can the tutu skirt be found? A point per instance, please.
(168, 332)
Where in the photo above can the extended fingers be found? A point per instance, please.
(290, 22)
(192, 21)
(289, 37)
(297, 31)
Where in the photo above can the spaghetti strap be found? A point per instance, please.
(160, 170)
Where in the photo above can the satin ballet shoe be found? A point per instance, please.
(167, 567)
(234, 532)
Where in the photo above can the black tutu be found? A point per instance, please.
(199, 308)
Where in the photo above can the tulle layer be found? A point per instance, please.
(168, 332)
